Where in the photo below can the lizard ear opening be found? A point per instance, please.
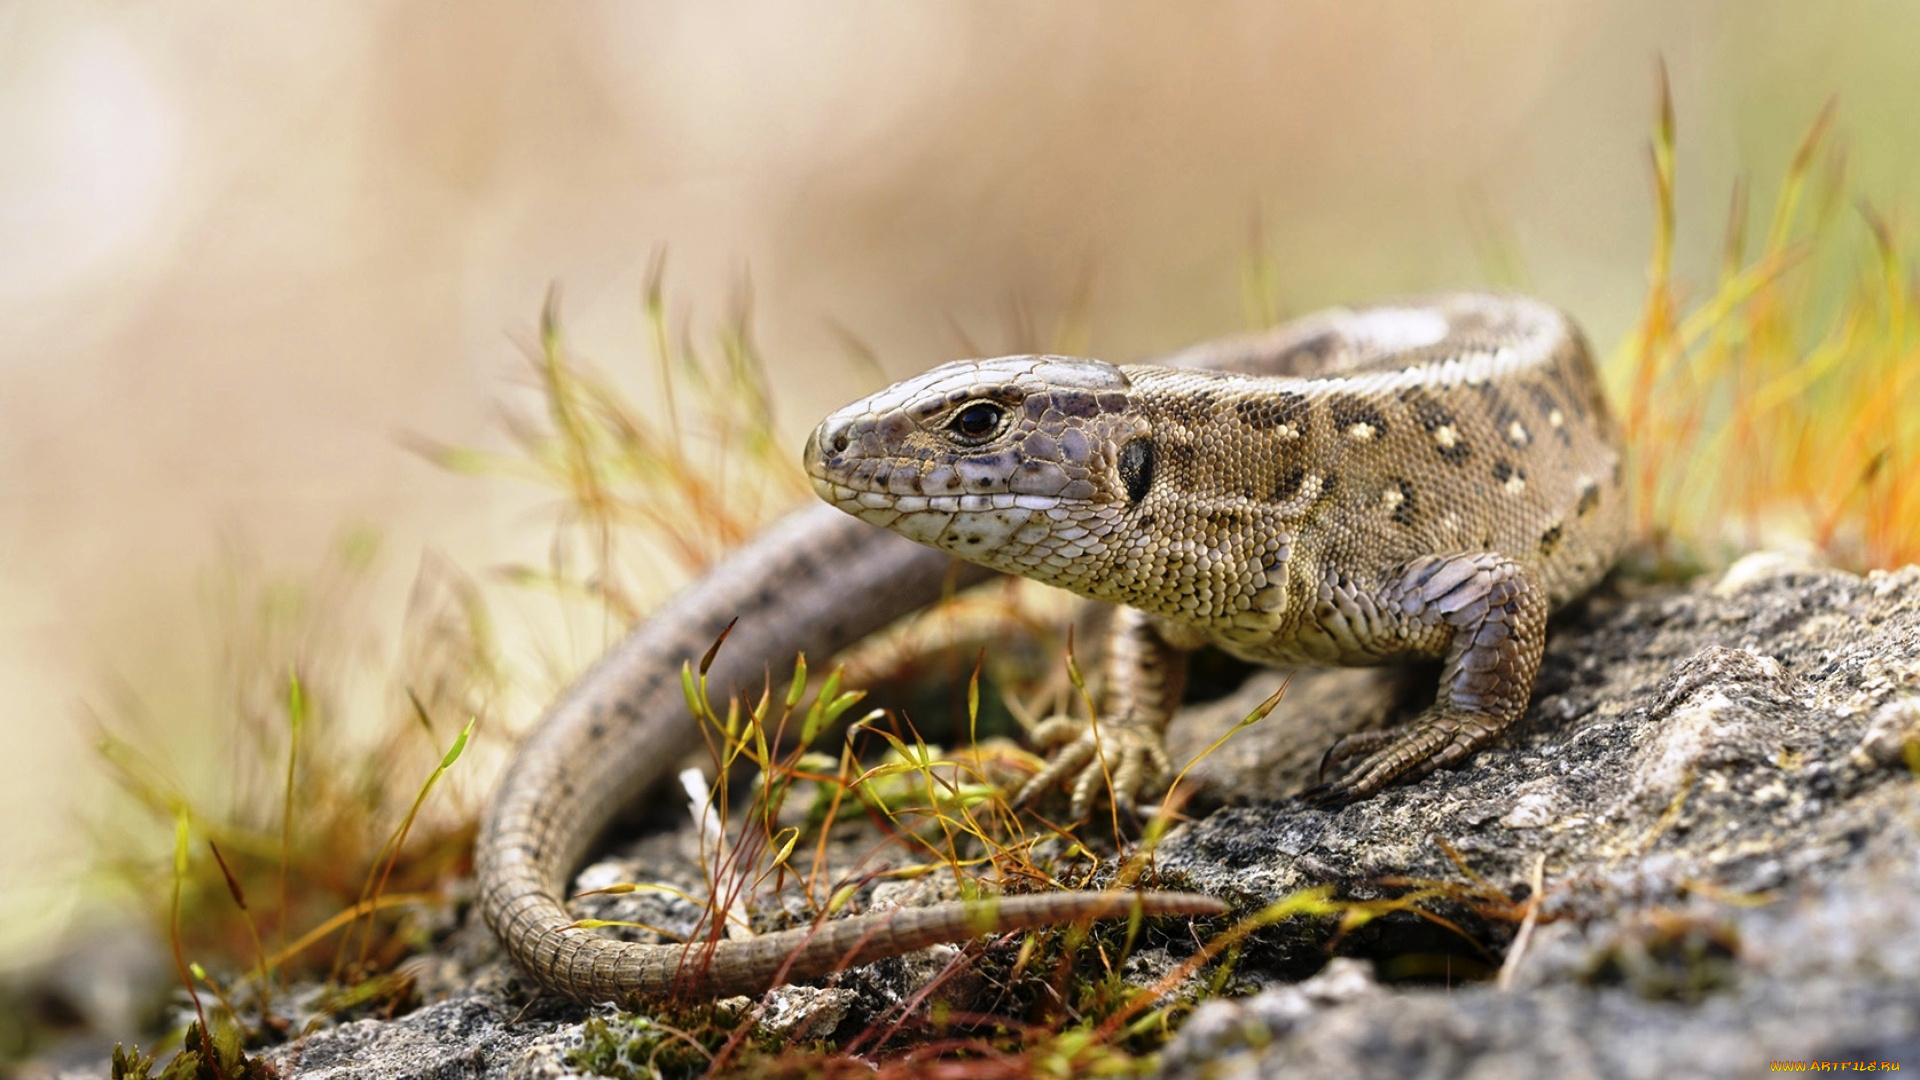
(1136, 467)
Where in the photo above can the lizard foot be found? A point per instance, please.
(1135, 758)
(1434, 740)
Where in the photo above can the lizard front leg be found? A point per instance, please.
(1487, 616)
(1145, 674)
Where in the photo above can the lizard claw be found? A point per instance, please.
(1133, 757)
(1331, 796)
(1056, 731)
(1434, 740)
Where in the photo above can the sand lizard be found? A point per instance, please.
(1419, 479)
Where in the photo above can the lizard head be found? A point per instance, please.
(1017, 462)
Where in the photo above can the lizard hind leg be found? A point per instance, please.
(1492, 615)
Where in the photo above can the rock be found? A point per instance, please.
(468, 1036)
(1714, 787)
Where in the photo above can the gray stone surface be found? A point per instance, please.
(1715, 786)
(469, 1036)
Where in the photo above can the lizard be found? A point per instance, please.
(1081, 473)
(1419, 480)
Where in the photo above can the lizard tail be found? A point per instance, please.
(816, 582)
(592, 969)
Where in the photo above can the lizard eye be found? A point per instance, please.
(977, 422)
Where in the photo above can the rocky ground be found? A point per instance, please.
(1716, 789)
(1714, 793)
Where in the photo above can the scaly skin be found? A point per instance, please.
(1426, 479)
(1420, 480)
(815, 582)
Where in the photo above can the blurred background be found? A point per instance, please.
(246, 250)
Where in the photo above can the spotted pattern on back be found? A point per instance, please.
(1354, 441)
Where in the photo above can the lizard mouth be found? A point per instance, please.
(971, 525)
(996, 527)
(853, 470)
